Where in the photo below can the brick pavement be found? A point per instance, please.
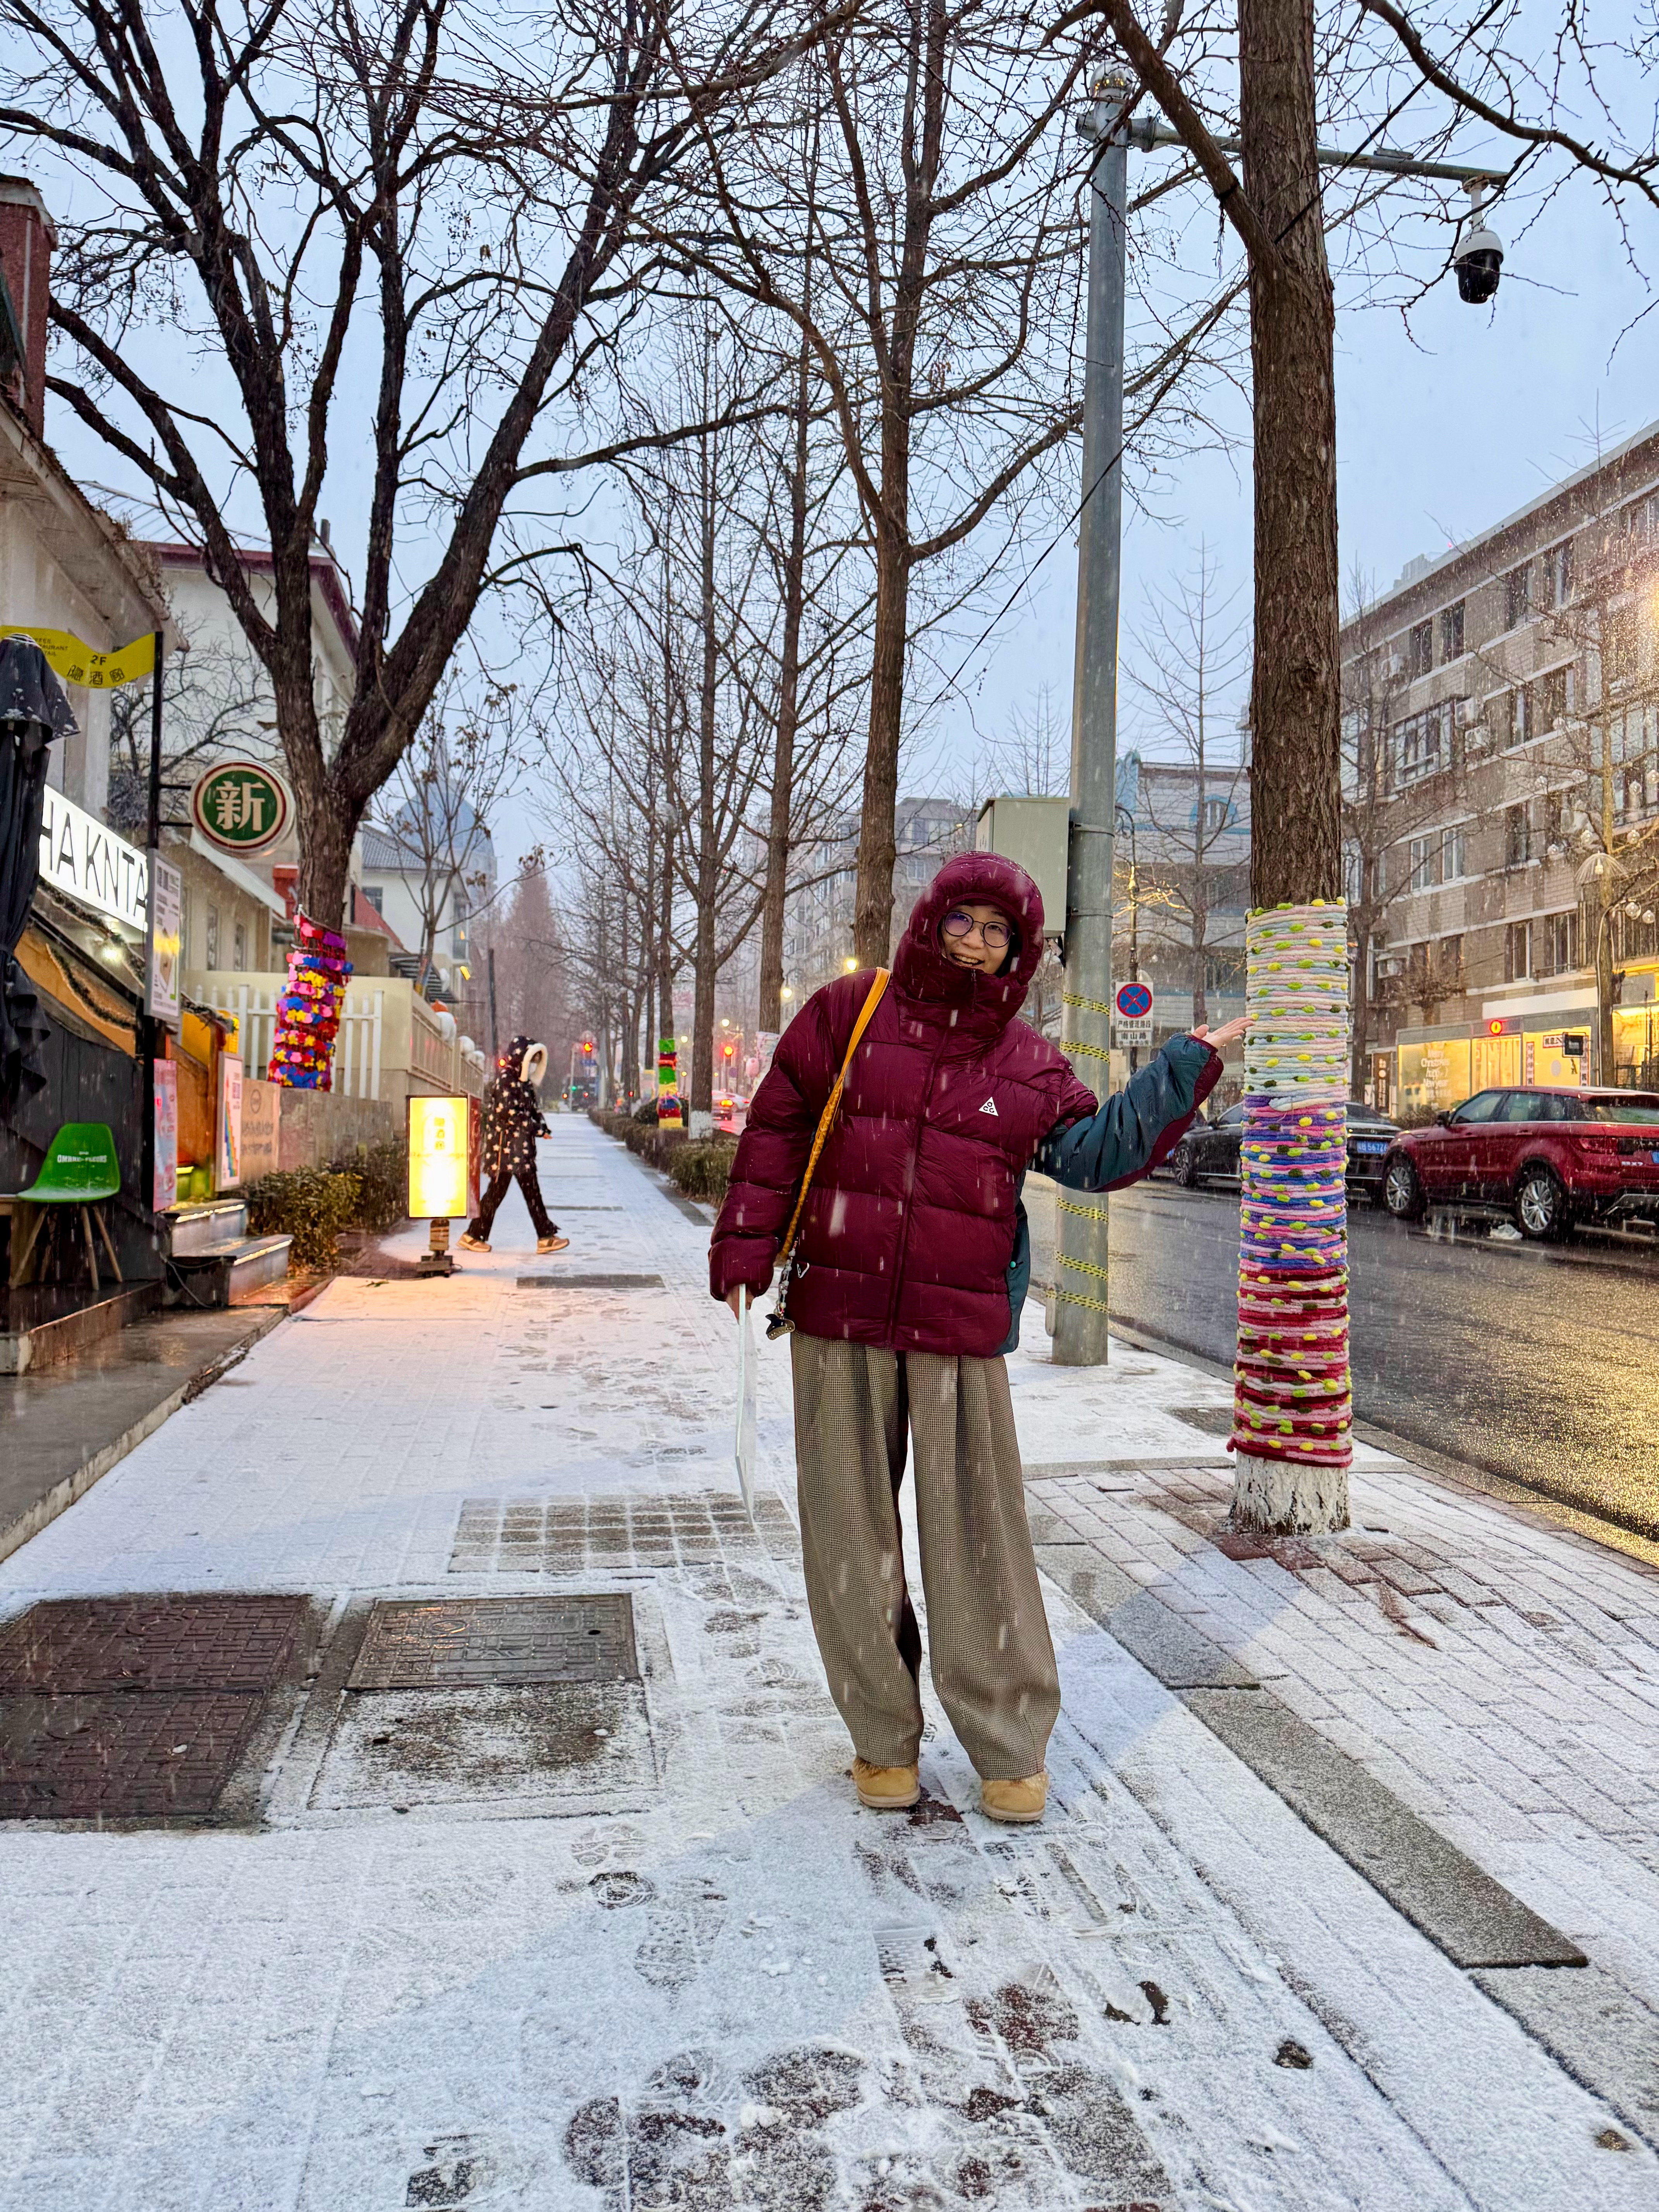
(711, 1982)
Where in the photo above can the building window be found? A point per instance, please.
(239, 947)
(1218, 814)
(1518, 838)
(1423, 860)
(1561, 948)
(1552, 698)
(1420, 648)
(1420, 744)
(1517, 951)
(373, 896)
(212, 937)
(1453, 853)
(1517, 595)
(1558, 575)
(1451, 632)
(1520, 714)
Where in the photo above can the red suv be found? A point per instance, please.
(1554, 1157)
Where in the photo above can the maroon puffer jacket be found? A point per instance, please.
(909, 1224)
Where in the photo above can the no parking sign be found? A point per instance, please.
(1132, 1014)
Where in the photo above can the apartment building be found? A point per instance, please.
(1501, 801)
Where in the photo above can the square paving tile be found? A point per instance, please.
(459, 1643)
(558, 1748)
(210, 1641)
(123, 1754)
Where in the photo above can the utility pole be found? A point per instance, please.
(1080, 1241)
(494, 1031)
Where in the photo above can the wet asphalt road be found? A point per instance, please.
(1536, 1362)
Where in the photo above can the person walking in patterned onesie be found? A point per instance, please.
(512, 1121)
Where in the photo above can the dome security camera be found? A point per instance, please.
(1479, 259)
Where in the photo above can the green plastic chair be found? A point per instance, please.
(80, 1170)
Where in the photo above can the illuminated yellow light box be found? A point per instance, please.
(440, 1135)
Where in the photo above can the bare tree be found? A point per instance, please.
(1182, 670)
(942, 238)
(214, 700)
(403, 228)
(435, 812)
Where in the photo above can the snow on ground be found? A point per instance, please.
(703, 1978)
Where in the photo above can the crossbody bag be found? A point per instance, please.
(778, 1322)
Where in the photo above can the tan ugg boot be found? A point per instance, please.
(474, 1244)
(1015, 1801)
(885, 1789)
(551, 1243)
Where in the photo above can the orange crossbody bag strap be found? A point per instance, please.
(829, 1114)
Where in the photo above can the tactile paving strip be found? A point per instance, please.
(643, 1531)
(210, 1641)
(449, 1643)
(122, 1755)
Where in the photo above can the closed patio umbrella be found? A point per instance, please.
(33, 713)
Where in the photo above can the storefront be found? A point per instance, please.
(1437, 1069)
(1636, 1029)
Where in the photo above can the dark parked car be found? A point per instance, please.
(1553, 1157)
(1209, 1151)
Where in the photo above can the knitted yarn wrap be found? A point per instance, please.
(1292, 1390)
(307, 1011)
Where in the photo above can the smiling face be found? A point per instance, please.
(969, 946)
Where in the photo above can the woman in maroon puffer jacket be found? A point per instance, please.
(911, 1265)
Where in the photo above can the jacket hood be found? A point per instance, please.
(520, 1060)
(921, 971)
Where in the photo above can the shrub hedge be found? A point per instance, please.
(702, 1170)
(310, 1205)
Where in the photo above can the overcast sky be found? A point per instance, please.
(1441, 432)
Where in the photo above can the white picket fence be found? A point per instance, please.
(356, 1052)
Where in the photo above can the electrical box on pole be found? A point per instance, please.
(1035, 834)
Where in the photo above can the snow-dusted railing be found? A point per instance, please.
(252, 1001)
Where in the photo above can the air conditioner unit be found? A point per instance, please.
(1395, 667)
(1469, 712)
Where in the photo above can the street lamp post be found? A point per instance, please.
(1080, 1242)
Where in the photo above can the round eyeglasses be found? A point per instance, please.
(994, 934)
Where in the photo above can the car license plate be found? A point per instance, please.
(1362, 1145)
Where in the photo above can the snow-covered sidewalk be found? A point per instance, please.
(631, 1944)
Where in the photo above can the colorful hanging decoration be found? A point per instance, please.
(308, 1012)
(1293, 1398)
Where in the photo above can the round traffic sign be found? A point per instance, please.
(1134, 1001)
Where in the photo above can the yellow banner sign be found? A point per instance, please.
(75, 662)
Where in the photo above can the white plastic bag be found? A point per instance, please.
(747, 1442)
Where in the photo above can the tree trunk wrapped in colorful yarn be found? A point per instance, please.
(1293, 1406)
(307, 1014)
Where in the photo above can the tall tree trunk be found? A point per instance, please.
(783, 750)
(873, 925)
(1295, 695)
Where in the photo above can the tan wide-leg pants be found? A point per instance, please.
(993, 1661)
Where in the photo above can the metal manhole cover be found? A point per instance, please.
(125, 1755)
(590, 1282)
(446, 1643)
(211, 1641)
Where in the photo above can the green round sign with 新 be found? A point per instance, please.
(240, 805)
